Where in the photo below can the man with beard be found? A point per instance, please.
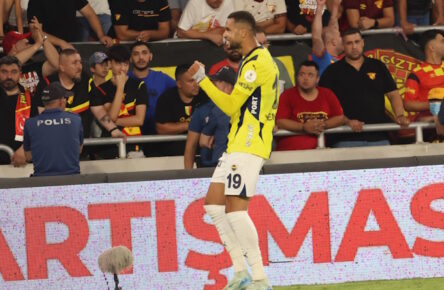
(233, 59)
(15, 108)
(156, 82)
(360, 84)
(307, 109)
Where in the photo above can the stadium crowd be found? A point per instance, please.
(118, 95)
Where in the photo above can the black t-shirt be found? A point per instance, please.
(58, 17)
(361, 93)
(8, 105)
(77, 103)
(171, 109)
(135, 94)
(140, 16)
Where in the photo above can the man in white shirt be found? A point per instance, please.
(270, 15)
(205, 19)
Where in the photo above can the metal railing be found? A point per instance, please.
(418, 126)
(7, 149)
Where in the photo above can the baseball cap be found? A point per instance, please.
(225, 74)
(97, 57)
(54, 91)
(11, 38)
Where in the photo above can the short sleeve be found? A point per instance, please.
(387, 3)
(26, 137)
(197, 120)
(284, 107)
(411, 88)
(80, 4)
(164, 11)
(351, 4)
(389, 82)
(142, 94)
(281, 8)
(121, 13)
(189, 16)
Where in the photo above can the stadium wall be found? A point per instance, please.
(319, 223)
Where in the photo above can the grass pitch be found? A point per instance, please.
(411, 284)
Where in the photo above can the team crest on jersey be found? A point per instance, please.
(378, 3)
(117, 17)
(233, 167)
(372, 76)
(70, 100)
(250, 76)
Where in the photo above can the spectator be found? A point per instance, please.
(54, 139)
(156, 82)
(5, 11)
(270, 16)
(174, 108)
(209, 119)
(73, 80)
(125, 99)
(234, 57)
(424, 84)
(142, 20)
(300, 16)
(360, 84)
(307, 109)
(176, 7)
(205, 19)
(85, 31)
(16, 106)
(99, 67)
(59, 18)
(440, 121)
(326, 42)
(369, 14)
(33, 70)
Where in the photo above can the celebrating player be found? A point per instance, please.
(252, 108)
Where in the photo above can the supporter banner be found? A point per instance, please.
(321, 227)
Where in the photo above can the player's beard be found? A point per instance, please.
(234, 45)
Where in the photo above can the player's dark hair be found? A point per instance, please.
(68, 52)
(351, 31)
(181, 69)
(308, 63)
(428, 36)
(9, 60)
(244, 17)
(140, 43)
(118, 53)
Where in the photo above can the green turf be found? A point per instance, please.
(413, 284)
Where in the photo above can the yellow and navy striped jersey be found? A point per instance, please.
(252, 104)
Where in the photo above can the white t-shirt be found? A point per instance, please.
(199, 16)
(264, 10)
(99, 6)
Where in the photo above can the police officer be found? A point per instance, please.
(54, 139)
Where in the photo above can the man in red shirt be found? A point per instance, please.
(368, 14)
(233, 59)
(307, 109)
(426, 82)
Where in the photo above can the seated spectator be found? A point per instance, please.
(234, 57)
(33, 70)
(174, 109)
(156, 82)
(99, 67)
(85, 30)
(16, 106)
(369, 14)
(209, 126)
(424, 84)
(5, 11)
(53, 140)
(326, 42)
(125, 99)
(271, 17)
(176, 7)
(307, 109)
(142, 20)
(59, 18)
(360, 84)
(205, 19)
(300, 16)
(73, 80)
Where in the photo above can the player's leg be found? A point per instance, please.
(244, 176)
(215, 208)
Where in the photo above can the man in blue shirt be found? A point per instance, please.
(209, 126)
(156, 82)
(54, 139)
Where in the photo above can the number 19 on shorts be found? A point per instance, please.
(234, 180)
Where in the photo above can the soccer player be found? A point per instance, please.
(252, 108)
